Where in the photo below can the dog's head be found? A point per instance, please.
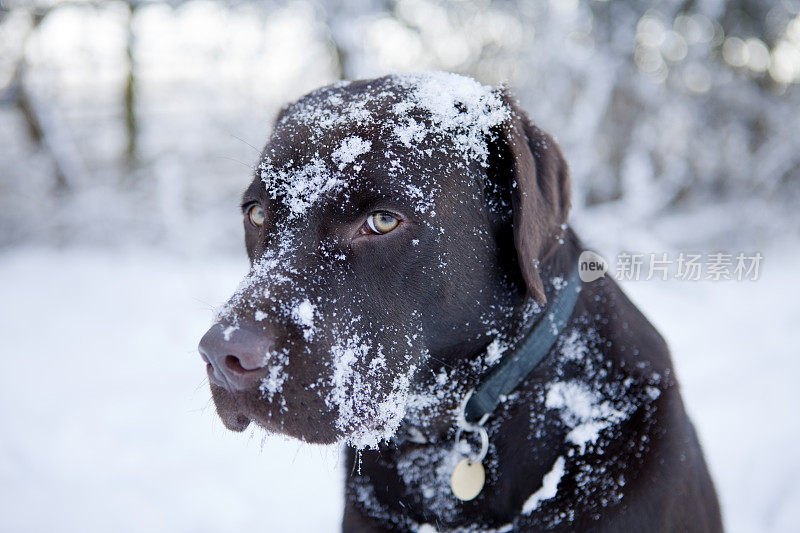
(392, 226)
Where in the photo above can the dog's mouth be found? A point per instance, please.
(290, 414)
(229, 408)
(238, 408)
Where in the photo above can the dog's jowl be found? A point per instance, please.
(414, 293)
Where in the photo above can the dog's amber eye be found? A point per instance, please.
(255, 213)
(382, 222)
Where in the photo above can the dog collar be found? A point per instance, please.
(513, 369)
(468, 477)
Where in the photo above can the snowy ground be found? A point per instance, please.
(107, 422)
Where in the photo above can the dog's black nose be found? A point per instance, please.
(236, 354)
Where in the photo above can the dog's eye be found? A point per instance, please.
(255, 213)
(382, 222)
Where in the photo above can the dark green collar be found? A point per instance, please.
(515, 367)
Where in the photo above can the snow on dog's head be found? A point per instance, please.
(370, 231)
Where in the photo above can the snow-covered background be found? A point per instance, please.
(128, 130)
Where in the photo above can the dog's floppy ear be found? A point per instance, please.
(538, 177)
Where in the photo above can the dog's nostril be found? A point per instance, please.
(233, 364)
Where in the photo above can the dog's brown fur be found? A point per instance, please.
(430, 297)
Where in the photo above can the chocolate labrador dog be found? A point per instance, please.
(415, 293)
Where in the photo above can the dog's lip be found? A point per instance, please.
(236, 422)
(229, 409)
(241, 420)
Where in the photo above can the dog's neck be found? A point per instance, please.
(407, 483)
(435, 409)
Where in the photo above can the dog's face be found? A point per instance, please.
(380, 231)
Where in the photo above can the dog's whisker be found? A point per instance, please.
(245, 142)
(203, 383)
(246, 165)
(297, 452)
(204, 408)
(441, 361)
(208, 305)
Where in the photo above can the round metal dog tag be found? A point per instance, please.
(467, 479)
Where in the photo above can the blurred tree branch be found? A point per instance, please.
(129, 99)
(42, 126)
